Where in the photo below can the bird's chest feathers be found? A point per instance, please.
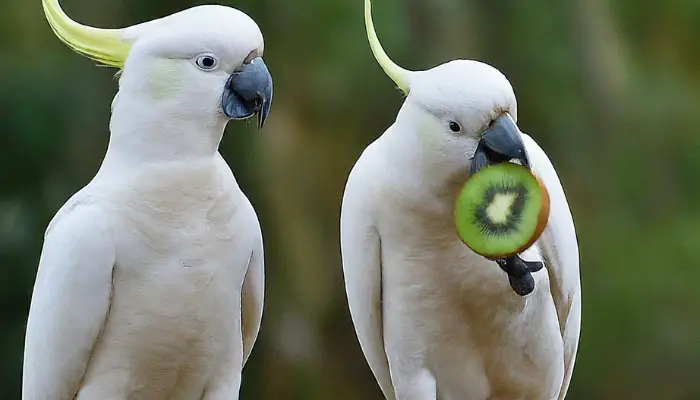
(190, 218)
(424, 257)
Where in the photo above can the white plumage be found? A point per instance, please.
(434, 319)
(151, 278)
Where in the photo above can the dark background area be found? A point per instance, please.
(609, 88)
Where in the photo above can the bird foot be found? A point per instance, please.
(520, 273)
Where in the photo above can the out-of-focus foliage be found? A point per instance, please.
(610, 89)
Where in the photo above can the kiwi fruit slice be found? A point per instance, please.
(501, 210)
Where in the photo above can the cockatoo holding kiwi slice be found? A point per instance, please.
(436, 320)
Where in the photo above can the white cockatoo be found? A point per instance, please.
(433, 318)
(151, 280)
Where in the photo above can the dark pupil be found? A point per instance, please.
(454, 126)
(208, 62)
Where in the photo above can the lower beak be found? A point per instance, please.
(249, 92)
(502, 142)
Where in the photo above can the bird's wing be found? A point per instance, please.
(253, 295)
(560, 250)
(361, 257)
(70, 302)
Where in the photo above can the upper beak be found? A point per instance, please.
(502, 142)
(249, 92)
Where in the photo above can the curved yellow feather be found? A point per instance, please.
(103, 45)
(396, 73)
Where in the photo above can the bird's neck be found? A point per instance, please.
(148, 131)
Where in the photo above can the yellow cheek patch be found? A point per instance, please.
(165, 79)
(428, 132)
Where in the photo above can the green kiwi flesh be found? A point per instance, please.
(501, 210)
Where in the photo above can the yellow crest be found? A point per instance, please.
(106, 46)
(396, 73)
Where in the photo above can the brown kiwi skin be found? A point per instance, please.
(542, 220)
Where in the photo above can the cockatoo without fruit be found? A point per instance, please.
(151, 281)
(434, 319)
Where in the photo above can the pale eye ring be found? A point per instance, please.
(207, 62)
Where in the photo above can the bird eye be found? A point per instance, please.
(454, 127)
(206, 62)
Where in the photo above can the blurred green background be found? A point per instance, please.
(610, 89)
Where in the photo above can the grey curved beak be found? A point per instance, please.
(249, 92)
(502, 142)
